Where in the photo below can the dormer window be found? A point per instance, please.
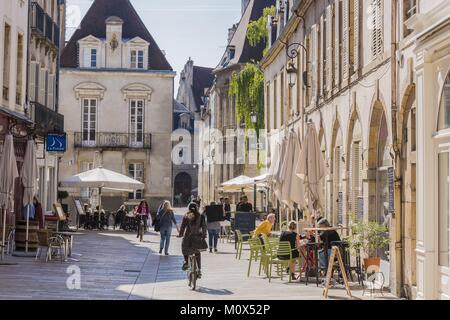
(90, 58)
(137, 59)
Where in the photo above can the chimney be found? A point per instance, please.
(114, 42)
(244, 5)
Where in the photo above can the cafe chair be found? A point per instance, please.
(255, 254)
(52, 245)
(240, 243)
(282, 249)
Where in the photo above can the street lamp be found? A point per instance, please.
(292, 73)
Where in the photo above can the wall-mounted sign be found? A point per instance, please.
(56, 142)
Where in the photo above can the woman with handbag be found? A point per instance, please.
(165, 221)
(193, 230)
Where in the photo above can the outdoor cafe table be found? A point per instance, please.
(68, 243)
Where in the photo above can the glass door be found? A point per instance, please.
(137, 124)
(89, 122)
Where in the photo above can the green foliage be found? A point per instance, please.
(257, 30)
(63, 195)
(247, 88)
(368, 236)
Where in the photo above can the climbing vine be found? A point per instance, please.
(257, 29)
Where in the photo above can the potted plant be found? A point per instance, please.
(369, 237)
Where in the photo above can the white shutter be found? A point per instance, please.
(329, 55)
(42, 86)
(356, 34)
(314, 45)
(379, 27)
(51, 84)
(337, 48)
(345, 39)
(32, 82)
(355, 174)
(321, 51)
(86, 58)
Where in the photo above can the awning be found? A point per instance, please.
(15, 115)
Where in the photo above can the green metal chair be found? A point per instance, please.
(283, 248)
(240, 243)
(255, 253)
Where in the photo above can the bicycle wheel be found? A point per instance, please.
(194, 272)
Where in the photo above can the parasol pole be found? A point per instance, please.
(28, 226)
(4, 231)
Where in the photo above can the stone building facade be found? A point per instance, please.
(190, 101)
(222, 163)
(117, 97)
(351, 67)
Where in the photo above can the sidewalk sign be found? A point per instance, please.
(336, 252)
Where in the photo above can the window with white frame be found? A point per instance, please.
(86, 166)
(90, 58)
(89, 121)
(137, 123)
(136, 171)
(137, 59)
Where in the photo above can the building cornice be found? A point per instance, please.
(114, 72)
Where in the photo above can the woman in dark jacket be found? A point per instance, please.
(293, 238)
(194, 224)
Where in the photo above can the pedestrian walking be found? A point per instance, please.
(166, 220)
(142, 213)
(213, 233)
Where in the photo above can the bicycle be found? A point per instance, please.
(192, 271)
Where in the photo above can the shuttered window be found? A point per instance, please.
(377, 28)
(268, 111)
(321, 50)
(51, 92)
(337, 181)
(282, 102)
(275, 104)
(32, 81)
(337, 42)
(41, 82)
(345, 39)
(356, 32)
(314, 62)
(329, 44)
(355, 174)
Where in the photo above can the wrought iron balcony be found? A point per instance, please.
(45, 119)
(43, 25)
(112, 140)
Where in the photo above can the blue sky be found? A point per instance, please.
(182, 28)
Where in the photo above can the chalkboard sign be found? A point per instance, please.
(360, 212)
(340, 207)
(391, 189)
(245, 222)
(79, 208)
(215, 213)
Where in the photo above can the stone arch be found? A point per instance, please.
(407, 138)
(441, 97)
(182, 188)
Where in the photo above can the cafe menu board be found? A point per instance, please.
(391, 189)
(215, 213)
(340, 207)
(244, 222)
(79, 207)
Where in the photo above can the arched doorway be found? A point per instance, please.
(182, 189)
(442, 216)
(337, 173)
(408, 170)
(380, 167)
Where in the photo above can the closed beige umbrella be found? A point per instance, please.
(29, 176)
(297, 189)
(9, 173)
(277, 177)
(287, 169)
(311, 168)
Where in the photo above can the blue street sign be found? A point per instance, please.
(56, 142)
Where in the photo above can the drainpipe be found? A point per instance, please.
(27, 71)
(398, 210)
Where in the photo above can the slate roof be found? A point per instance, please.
(244, 52)
(202, 78)
(93, 23)
(179, 107)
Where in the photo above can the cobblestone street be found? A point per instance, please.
(114, 265)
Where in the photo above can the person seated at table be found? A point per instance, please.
(327, 237)
(265, 227)
(293, 238)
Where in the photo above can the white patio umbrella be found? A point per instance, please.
(29, 176)
(9, 173)
(102, 178)
(235, 183)
(311, 167)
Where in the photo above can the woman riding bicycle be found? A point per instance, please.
(142, 213)
(193, 225)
